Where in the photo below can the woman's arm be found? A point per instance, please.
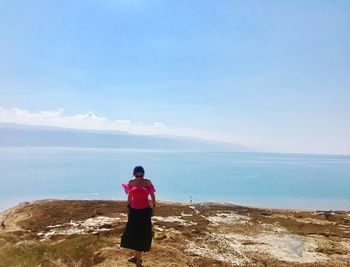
(129, 203)
(129, 199)
(153, 204)
(149, 183)
(130, 183)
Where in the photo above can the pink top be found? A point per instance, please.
(139, 195)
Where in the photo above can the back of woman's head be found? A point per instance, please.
(138, 169)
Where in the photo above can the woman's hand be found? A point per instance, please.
(153, 212)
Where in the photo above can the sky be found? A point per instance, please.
(270, 75)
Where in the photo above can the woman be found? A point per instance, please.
(138, 231)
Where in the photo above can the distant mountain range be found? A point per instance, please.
(17, 135)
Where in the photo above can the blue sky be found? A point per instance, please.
(267, 74)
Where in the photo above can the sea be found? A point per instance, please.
(269, 180)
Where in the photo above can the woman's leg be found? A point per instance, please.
(138, 255)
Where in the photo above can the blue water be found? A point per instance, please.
(255, 179)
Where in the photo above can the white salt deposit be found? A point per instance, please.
(229, 218)
(174, 219)
(168, 219)
(214, 253)
(194, 209)
(92, 225)
(235, 248)
(158, 228)
(172, 230)
(345, 245)
(272, 227)
(290, 247)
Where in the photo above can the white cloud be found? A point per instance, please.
(90, 121)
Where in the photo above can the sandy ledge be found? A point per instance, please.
(87, 233)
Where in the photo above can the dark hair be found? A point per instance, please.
(138, 169)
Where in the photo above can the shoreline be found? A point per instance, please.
(227, 203)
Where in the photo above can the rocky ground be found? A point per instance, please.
(87, 233)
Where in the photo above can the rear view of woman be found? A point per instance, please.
(138, 231)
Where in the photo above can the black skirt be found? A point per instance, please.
(137, 234)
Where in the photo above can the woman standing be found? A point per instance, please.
(138, 231)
